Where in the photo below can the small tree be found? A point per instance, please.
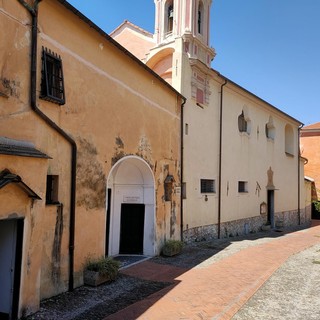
(317, 205)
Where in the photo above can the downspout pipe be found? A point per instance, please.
(33, 101)
(182, 164)
(299, 174)
(220, 158)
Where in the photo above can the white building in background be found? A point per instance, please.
(241, 163)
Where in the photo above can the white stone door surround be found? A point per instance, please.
(132, 181)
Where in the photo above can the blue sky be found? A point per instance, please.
(269, 47)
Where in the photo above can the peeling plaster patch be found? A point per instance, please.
(90, 177)
(119, 143)
(173, 219)
(145, 151)
(23, 42)
(155, 167)
(119, 151)
(11, 87)
(56, 248)
(28, 264)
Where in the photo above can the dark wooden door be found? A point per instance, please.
(271, 208)
(131, 228)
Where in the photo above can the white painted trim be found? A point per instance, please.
(150, 207)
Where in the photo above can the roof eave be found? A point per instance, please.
(257, 97)
(118, 45)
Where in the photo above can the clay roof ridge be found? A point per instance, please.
(127, 22)
(312, 126)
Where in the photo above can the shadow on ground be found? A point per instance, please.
(98, 303)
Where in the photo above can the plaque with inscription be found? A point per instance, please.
(131, 199)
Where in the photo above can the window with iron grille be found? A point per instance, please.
(207, 186)
(242, 186)
(52, 84)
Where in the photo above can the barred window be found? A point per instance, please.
(207, 186)
(52, 84)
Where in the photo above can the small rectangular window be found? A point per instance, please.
(184, 190)
(207, 186)
(52, 83)
(52, 189)
(242, 186)
(186, 129)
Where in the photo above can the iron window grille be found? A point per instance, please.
(207, 186)
(52, 83)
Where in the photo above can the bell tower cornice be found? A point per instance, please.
(196, 50)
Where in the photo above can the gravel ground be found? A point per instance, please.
(292, 292)
(289, 294)
(86, 302)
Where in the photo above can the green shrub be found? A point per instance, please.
(172, 247)
(104, 265)
(317, 205)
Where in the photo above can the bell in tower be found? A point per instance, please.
(186, 19)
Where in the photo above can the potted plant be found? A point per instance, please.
(100, 270)
(172, 247)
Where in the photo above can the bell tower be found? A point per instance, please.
(186, 19)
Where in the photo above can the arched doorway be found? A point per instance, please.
(131, 208)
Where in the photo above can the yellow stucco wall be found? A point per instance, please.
(114, 108)
(15, 204)
(310, 149)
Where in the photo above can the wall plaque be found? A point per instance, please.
(131, 199)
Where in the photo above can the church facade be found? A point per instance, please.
(241, 161)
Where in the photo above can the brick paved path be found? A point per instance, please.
(214, 290)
